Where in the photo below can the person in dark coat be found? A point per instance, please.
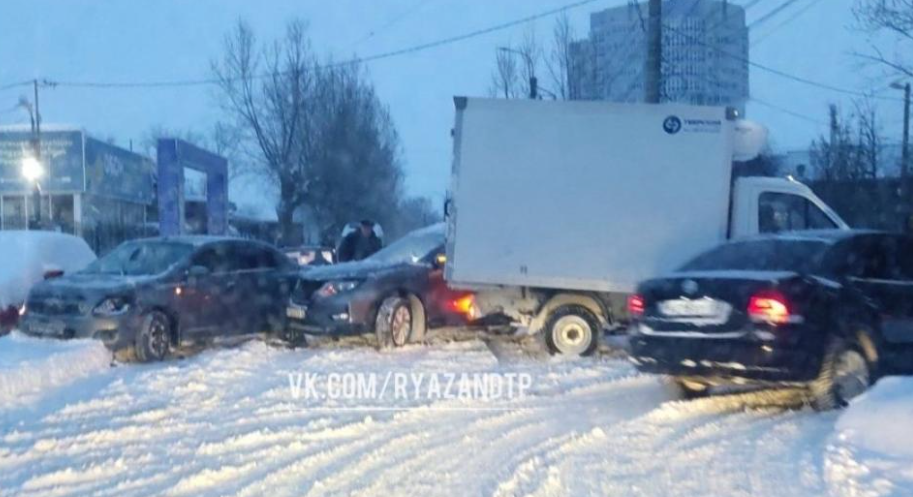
(359, 244)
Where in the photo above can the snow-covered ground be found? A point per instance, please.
(225, 422)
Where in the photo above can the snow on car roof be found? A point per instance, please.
(824, 236)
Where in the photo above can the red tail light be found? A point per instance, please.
(465, 305)
(769, 307)
(636, 305)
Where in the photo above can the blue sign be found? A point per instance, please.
(117, 173)
(61, 161)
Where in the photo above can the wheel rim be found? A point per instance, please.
(158, 338)
(572, 335)
(401, 325)
(851, 376)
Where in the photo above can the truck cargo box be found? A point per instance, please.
(584, 195)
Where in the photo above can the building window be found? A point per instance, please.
(13, 212)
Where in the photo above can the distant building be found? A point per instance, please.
(86, 187)
(697, 36)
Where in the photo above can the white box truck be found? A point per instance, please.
(557, 210)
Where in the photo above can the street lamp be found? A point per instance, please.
(533, 82)
(31, 169)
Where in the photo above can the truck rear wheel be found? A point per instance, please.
(571, 330)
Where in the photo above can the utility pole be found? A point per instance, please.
(654, 64)
(905, 152)
(906, 202)
(905, 162)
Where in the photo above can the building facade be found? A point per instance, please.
(704, 62)
(86, 187)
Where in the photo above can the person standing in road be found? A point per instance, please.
(360, 243)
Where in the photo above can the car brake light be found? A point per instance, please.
(465, 305)
(769, 307)
(636, 305)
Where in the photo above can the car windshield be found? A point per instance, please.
(411, 248)
(140, 258)
(761, 255)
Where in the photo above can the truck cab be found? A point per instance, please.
(772, 205)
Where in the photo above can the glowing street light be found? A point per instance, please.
(31, 169)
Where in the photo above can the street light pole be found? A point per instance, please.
(37, 151)
(905, 152)
(533, 81)
(905, 199)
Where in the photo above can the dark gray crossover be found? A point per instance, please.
(149, 295)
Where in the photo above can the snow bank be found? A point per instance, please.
(27, 255)
(872, 448)
(31, 366)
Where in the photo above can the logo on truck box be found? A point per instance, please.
(672, 125)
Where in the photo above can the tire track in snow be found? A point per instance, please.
(704, 447)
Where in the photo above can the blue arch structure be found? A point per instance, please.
(174, 156)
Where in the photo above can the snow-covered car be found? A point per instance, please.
(826, 311)
(398, 293)
(28, 258)
(149, 295)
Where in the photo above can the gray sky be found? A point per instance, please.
(153, 40)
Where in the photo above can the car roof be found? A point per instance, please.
(200, 240)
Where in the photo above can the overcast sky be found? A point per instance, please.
(154, 40)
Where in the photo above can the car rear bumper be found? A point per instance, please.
(724, 360)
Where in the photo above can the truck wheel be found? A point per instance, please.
(845, 374)
(153, 341)
(394, 324)
(571, 330)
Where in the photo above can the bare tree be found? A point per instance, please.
(853, 148)
(892, 17)
(559, 62)
(504, 78)
(264, 92)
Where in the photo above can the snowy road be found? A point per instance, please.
(225, 422)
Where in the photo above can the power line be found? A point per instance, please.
(772, 13)
(392, 22)
(10, 86)
(371, 58)
(782, 74)
(789, 112)
(796, 15)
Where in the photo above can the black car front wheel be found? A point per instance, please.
(845, 374)
(395, 322)
(153, 342)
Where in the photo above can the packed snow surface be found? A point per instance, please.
(225, 422)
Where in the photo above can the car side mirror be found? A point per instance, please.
(53, 273)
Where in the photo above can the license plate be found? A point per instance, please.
(705, 308)
(296, 312)
(46, 328)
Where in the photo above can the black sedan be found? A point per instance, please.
(397, 293)
(147, 296)
(825, 311)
